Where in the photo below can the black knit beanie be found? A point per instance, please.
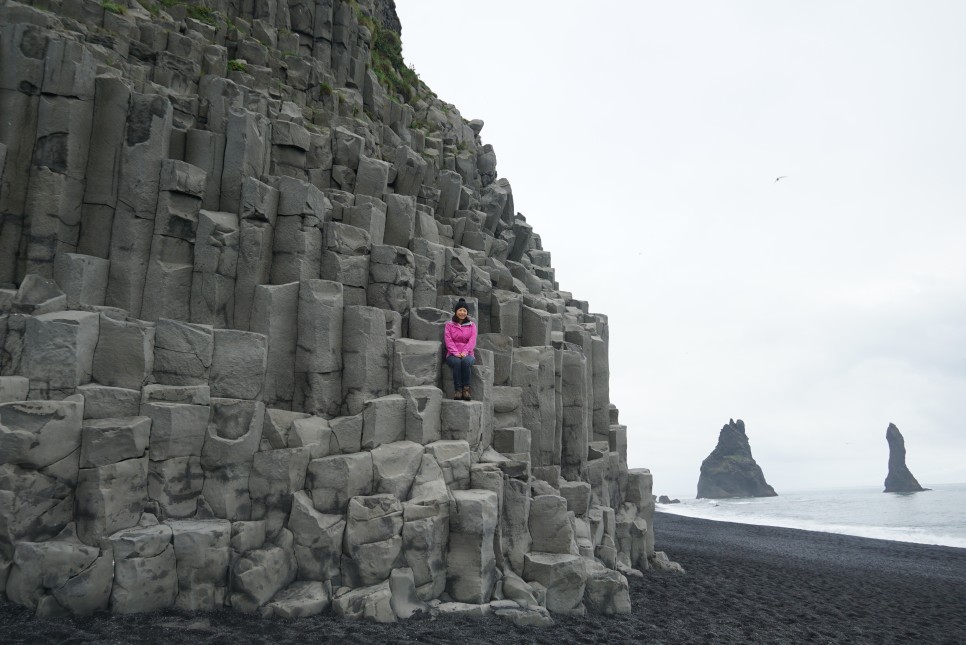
(461, 305)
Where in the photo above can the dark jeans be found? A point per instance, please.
(461, 369)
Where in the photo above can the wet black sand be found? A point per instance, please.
(744, 584)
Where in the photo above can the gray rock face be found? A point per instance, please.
(373, 539)
(201, 548)
(899, 479)
(110, 498)
(333, 481)
(124, 356)
(370, 603)
(37, 434)
(423, 405)
(59, 349)
(533, 372)
(59, 574)
(470, 560)
(607, 592)
(366, 356)
(182, 352)
(301, 599)
(238, 364)
(550, 527)
(318, 357)
(275, 315)
(231, 440)
(145, 569)
(223, 294)
(260, 574)
(730, 470)
(425, 538)
(318, 540)
(563, 576)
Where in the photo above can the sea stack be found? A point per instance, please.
(899, 479)
(730, 470)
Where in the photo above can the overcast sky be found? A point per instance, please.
(643, 139)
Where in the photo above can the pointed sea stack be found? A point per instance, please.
(899, 479)
(730, 470)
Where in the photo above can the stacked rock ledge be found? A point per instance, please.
(231, 237)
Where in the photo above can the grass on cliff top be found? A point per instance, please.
(386, 52)
(387, 60)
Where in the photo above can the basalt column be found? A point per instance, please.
(231, 237)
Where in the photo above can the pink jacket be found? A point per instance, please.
(460, 338)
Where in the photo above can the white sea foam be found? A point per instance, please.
(932, 517)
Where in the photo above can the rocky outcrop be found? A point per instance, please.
(899, 479)
(384, 12)
(231, 234)
(730, 470)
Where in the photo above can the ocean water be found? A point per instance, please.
(937, 516)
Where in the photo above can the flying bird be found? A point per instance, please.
(777, 179)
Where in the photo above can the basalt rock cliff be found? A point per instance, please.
(232, 232)
(899, 479)
(730, 470)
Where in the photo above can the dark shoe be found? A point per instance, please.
(466, 394)
(458, 396)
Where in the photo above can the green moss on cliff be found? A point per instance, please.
(387, 59)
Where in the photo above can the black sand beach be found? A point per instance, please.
(744, 584)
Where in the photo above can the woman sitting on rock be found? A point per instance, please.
(460, 343)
